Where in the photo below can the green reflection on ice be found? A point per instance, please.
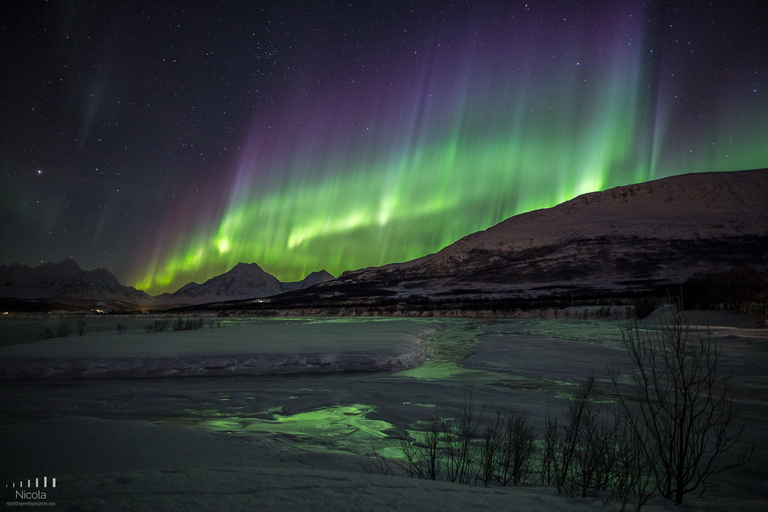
(340, 428)
(447, 347)
(437, 370)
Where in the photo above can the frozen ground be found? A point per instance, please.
(267, 347)
(300, 441)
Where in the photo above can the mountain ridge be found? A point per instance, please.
(67, 286)
(243, 281)
(65, 280)
(678, 225)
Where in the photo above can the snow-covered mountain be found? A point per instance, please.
(244, 281)
(66, 286)
(637, 236)
(311, 280)
(65, 280)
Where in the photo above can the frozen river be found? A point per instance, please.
(310, 421)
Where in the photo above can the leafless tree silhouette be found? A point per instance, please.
(679, 406)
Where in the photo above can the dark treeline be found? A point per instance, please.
(740, 289)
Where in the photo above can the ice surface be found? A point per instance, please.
(259, 347)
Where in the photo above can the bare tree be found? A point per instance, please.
(517, 451)
(560, 451)
(679, 406)
(63, 329)
(491, 448)
(424, 460)
(462, 454)
(633, 473)
(378, 464)
(581, 456)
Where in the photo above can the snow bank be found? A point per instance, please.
(298, 490)
(256, 349)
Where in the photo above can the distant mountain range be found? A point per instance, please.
(67, 283)
(627, 240)
(66, 286)
(244, 281)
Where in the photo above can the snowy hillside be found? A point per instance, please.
(643, 235)
(692, 206)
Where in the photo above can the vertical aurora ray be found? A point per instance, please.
(399, 163)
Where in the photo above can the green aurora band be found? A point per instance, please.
(339, 179)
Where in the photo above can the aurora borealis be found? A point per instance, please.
(179, 141)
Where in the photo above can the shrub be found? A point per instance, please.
(490, 449)
(379, 463)
(594, 452)
(517, 453)
(471, 449)
(644, 306)
(425, 459)
(188, 325)
(461, 451)
(178, 325)
(633, 473)
(576, 453)
(63, 329)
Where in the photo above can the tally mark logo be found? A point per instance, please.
(37, 482)
(32, 489)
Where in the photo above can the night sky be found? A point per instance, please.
(168, 141)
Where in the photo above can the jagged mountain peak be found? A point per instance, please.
(243, 281)
(319, 276)
(244, 268)
(65, 264)
(314, 278)
(65, 280)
